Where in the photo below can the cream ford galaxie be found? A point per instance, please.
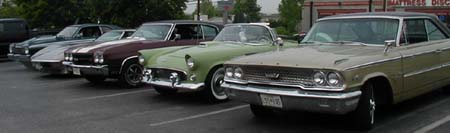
(347, 64)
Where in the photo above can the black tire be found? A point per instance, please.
(95, 79)
(364, 115)
(261, 111)
(165, 91)
(131, 75)
(212, 91)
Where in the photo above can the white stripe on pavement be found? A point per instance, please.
(111, 95)
(433, 125)
(199, 115)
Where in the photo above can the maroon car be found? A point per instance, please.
(118, 59)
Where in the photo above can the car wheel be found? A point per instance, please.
(95, 79)
(165, 91)
(364, 115)
(131, 75)
(261, 111)
(212, 91)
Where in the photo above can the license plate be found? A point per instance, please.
(76, 71)
(271, 101)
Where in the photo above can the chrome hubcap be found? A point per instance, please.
(372, 110)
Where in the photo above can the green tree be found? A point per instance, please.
(8, 11)
(246, 11)
(207, 8)
(290, 15)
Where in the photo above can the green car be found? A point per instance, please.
(199, 68)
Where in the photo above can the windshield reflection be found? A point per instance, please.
(359, 30)
(245, 34)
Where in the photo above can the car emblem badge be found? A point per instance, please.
(272, 75)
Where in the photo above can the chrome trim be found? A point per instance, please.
(325, 88)
(372, 63)
(67, 63)
(125, 60)
(292, 92)
(353, 17)
(422, 71)
(190, 86)
(51, 61)
(420, 53)
(173, 69)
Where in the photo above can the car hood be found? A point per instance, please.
(62, 43)
(56, 52)
(37, 40)
(104, 46)
(335, 57)
(213, 48)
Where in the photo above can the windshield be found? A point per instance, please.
(363, 30)
(67, 32)
(245, 34)
(152, 32)
(109, 36)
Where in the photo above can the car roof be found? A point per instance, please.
(88, 24)
(183, 22)
(11, 19)
(125, 30)
(384, 14)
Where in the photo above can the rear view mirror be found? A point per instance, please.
(177, 37)
(279, 42)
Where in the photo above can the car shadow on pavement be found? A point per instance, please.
(59, 76)
(191, 98)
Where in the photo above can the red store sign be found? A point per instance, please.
(420, 2)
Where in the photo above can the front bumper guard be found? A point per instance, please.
(89, 69)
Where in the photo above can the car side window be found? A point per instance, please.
(209, 32)
(187, 32)
(414, 31)
(90, 32)
(105, 29)
(433, 32)
(127, 34)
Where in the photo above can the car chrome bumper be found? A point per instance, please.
(169, 84)
(19, 57)
(296, 99)
(89, 69)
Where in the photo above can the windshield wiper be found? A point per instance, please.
(349, 42)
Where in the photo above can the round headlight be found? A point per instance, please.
(101, 60)
(11, 48)
(334, 79)
(229, 72)
(238, 73)
(141, 59)
(27, 51)
(319, 78)
(66, 58)
(70, 57)
(190, 62)
(96, 60)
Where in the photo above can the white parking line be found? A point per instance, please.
(433, 125)
(199, 115)
(111, 95)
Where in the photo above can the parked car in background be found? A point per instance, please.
(347, 64)
(22, 52)
(119, 60)
(49, 59)
(12, 30)
(199, 68)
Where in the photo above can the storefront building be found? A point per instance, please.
(315, 9)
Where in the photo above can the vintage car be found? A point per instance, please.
(49, 59)
(12, 30)
(22, 52)
(347, 64)
(119, 60)
(199, 68)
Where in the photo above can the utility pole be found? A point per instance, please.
(198, 10)
(370, 5)
(385, 5)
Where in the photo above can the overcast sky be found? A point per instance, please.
(267, 6)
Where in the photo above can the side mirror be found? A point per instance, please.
(279, 42)
(388, 44)
(177, 37)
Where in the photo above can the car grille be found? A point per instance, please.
(164, 74)
(286, 76)
(83, 59)
(17, 50)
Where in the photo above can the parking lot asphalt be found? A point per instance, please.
(35, 102)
